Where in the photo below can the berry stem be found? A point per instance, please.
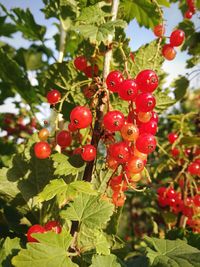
(103, 97)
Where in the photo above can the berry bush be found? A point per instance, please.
(111, 175)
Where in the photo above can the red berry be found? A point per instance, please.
(196, 200)
(120, 152)
(128, 90)
(134, 165)
(72, 127)
(91, 71)
(113, 121)
(42, 150)
(159, 30)
(53, 226)
(172, 137)
(162, 201)
(168, 52)
(177, 37)
(145, 102)
(154, 116)
(148, 127)
(43, 134)
(118, 198)
(170, 193)
(113, 80)
(53, 96)
(147, 80)
(188, 14)
(129, 132)
(175, 152)
(146, 143)
(33, 230)
(111, 162)
(80, 63)
(64, 139)
(88, 152)
(144, 116)
(118, 184)
(194, 168)
(161, 191)
(81, 117)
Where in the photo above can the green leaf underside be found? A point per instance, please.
(105, 261)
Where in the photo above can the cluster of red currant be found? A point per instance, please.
(15, 125)
(176, 39)
(189, 207)
(193, 167)
(81, 64)
(191, 9)
(39, 229)
(137, 130)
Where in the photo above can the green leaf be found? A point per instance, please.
(67, 166)
(6, 29)
(163, 101)
(163, 3)
(19, 81)
(98, 34)
(8, 248)
(144, 11)
(172, 253)
(51, 251)
(146, 57)
(89, 239)
(26, 24)
(105, 261)
(190, 140)
(65, 192)
(181, 85)
(92, 211)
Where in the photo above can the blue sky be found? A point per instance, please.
(138, 35)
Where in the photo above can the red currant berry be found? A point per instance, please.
(113, 80)
(154, 116)
(118, 198)
(118, 184)
(134, 165)
(88, 152)
(43, 134)
(146, 143)
(145, 102)
(168, 52)
(196, 200)
(177, 37)
(72, 127)
(53, 96)
(147, 80)
(91, 71)
(81, 117)
(194, 168)
(140, 155)
(159, 30)
(129, 132)
(172, 137)
(64, 139)
(80, 63)
(128, 90)
(42, 150)
(161, 191)
(53, 226)
(113, 121)
(148, 127)
(144, 116)
(120, 152)
(35, 229)
(162, 201)
(175, 152)
(111, 162)
(188, 14)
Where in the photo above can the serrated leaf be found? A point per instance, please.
(163, 3)
(64, 192)
(105, 261)
(172, 253)
(144, 11)
(26, 24)
(89, 239)
(51, 251)
(180, 85)
(63, 166)
(146, 57)
(92, 211)
(8, 248)
(163, 101)
(97, 34)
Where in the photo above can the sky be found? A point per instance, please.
(138, 36)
